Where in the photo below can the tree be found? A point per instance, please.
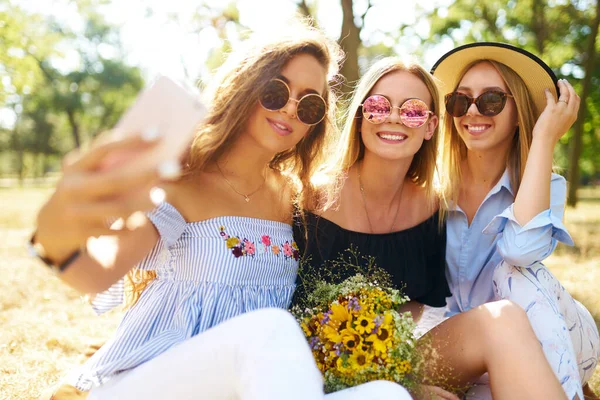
(51, 102)
(589, 58)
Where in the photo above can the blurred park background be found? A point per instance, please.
(69, 68)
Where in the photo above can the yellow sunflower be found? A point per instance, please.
(340, 313)
(381, 340)
(331, 333)
(364, 324)
(360, 360)
(351, 341)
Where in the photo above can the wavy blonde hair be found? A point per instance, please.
(351, 147)
(453, 150)
(232, 98)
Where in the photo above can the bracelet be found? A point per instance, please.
(37, 250)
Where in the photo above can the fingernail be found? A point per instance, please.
(150, 134)
(169, 169)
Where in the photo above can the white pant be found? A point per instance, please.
(258, 355)
(564, 327)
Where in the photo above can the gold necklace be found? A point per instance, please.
(364, 200)
(245, 196)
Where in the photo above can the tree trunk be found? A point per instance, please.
(350, 42)
(74, 128)
(17, 147)
(539, 25)
(577, 139)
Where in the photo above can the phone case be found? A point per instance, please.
(171, 109)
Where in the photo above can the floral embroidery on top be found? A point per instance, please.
(243, 247)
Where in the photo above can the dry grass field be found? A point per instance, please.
(45, 327)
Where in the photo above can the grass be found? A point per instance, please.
(46, 327)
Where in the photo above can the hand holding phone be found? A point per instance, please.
(166, 112)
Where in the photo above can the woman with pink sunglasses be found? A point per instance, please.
(386, 207)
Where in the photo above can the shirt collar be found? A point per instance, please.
(504, 182)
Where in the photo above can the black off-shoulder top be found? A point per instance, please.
(414, 257)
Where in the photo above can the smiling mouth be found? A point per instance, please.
(280, 127)
(392, 137)
(477, 129)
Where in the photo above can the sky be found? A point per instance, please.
(159, 46)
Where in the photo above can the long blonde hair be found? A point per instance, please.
(233, 96)
(453, 150)
(351, 147)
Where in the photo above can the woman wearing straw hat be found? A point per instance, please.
(505, 205)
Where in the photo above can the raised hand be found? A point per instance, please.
(558, 116)
(98, 185)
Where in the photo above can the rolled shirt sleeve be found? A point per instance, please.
(523, 246)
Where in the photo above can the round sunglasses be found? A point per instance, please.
(414, 113)
(490, 103)
(310, 109)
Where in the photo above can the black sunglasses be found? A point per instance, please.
(489, 103)
(310, 109)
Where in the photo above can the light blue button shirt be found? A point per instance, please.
(472, 252)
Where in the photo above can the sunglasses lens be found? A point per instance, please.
(457, 104)
(311, 109)
(376, 109)
(491, 103)
(275, 95)
(414, 113)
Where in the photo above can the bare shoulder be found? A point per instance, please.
(283, 192)
(188, 196)
(340, 208)
(420, 205)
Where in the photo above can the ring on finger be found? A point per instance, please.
(563, 101)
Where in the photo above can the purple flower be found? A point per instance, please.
(353, 304)
(314, 342)
(338, 349)
(326, 317)
(237, 251)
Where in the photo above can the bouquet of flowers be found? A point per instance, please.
(355, 330)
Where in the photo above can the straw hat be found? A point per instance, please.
(534, 72)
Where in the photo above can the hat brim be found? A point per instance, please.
(534, 72)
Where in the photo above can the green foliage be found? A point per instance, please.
(67, 106)
(60, 100)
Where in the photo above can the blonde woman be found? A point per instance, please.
(210, 324)
(502, 123)
(387, 208)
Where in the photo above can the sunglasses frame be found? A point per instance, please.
(290, 98)
(475, 100)
(429, 112)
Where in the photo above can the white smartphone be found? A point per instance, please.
(169, 108)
